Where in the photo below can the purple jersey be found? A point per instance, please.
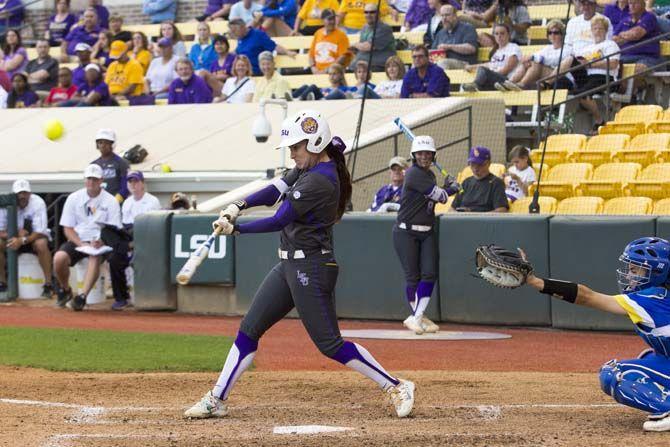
(80, 34)
(25, 99)
(58, 30)
(387, 193)
(79, 76)
(195, 91)
(226, 67)
(24, 64)
(647, 22)
(100, 88)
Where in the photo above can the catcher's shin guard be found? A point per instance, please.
(633, 388)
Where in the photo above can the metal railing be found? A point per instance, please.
(53, 222)
(9, 201)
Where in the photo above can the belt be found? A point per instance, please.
(298, 254)
(421, 228)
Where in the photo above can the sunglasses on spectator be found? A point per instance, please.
(370, 12)
(550, 32)
(417, 56)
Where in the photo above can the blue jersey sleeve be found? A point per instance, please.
(648, 307)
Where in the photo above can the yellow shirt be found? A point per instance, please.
(311, 10)
(119, 76)
(143, 57)
(277, 86)
(355, 18)
(327, 48)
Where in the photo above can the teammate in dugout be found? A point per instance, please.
(387, 198)
(413, 235)
(313, 197)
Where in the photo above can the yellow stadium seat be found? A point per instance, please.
(659, 126)
(662, 207)
(520, 206)
(628, 206)
(563, 180)
(465, 173)
(545, 170)
(580, 205)
(600, 149)
(638, 114)
(653, 181)
(558, 148)
(646, 149)
(497, 169)
(441, 208)
(631, 129)
(609, 180)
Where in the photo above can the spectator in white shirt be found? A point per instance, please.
(161, 71)
(139, 202)
(239, 88)
(33, 234)
(578, 32)
(505, 57)
(245, 9)
(520, 175)
(395, 71)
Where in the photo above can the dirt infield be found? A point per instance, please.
(538, 388)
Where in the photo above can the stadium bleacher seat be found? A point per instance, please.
(662, 207)
(628, 206)
(653, 182)
(580, 205)
(646, 149)
(558, 148)
(632, 120)
(442, 208)
(600, 149)
(563, 179)
(520, 206)
(609, 179)
(497, 169)
(545, 170)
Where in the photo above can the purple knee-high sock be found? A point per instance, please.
(424, 290)
(358, 358)
(239, 358)
(410, 294)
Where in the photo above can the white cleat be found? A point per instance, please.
(657, 422)
(428, 326)
(413, 325)
(209, 406)
(402, 397)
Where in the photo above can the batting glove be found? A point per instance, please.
(232, 211)
(223, 225)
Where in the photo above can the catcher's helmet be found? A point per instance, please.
(645, 263)
(307, 125)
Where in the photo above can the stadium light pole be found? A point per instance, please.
(262, 128)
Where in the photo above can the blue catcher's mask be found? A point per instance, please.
(645, 263)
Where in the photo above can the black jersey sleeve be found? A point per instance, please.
(310, 191)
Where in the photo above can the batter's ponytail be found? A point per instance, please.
(335, 151)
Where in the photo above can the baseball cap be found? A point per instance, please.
(327, 14)
(105, 134)
(117, 49)
(94, 171)
(165, 42)
(400, 161)
(92, 67)
(479, 155)
(82, 46)
(20, 185)
(137, 175)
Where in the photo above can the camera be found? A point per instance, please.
(261, 128)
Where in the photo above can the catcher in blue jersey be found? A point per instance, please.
(643, 382)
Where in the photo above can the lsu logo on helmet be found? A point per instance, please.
(309, 125)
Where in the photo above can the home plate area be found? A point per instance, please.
(389, 334)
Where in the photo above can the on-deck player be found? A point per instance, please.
(314, 195)
(413, 235)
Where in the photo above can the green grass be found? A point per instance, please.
(110, 351)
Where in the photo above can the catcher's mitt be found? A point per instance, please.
(501, 267)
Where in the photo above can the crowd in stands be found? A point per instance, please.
(116, 66)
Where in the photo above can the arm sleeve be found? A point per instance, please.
(471, 37)
(458, 200)
(40, 220)
(286, 8)
(438, 84)
(267, 196)
(114, 215)
(268, 43)
(67, 218)
(284, 216)
(404, 90)
(499, 198)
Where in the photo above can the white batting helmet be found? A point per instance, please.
(307, 125)
(422, 143)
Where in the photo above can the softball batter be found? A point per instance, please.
(313, 195)
(413, 235)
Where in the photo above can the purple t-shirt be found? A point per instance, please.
(435, 83)
(79, 76)
(103, 16)
(195, 91)
(648, 22)
(16, 16)
(227, 65)
(101, 88)
(58, 30)
(615, 14)
(215, 5)
(26, 99)
(20, 68)
(418, 13)
(79, 34)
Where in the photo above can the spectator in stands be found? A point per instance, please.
(161, 72)
(661, 9)
(188, 87)
(86, 33)
(65, 89)
(392, 86)
(515, 14)
(279, 17)
(434, 25)
(13, 57)
(216, 9)
(252, 42)
(100, 51)
(83, 51)
(33, 233)
(60, 23)
(125, 76)
(101, 11)
(483, 192)
(222, 67)
(330, 45)
(388, 197)
(351, 14)
(616, 11)
(170, 31)
(400, 6)
(544, 63)
(310, 17)
(638, 26)
(249, 11)
(578, 32)
(140, 50)
(520, 175)
(118, 33)
(11, 15)
(479, 13)
(271, 85)
(160, 10)
(456, 39)
(94, 92)
(425, 79)
(202, 52)
(419, 14)
(338, 83)
(382, 48)
(114, 167)
(91, 218)
(596, 73)
(138, 202)
(363, 85)
(21, 96)
(5, 81)
(43, 70)
(505, 58)
(238, 88)
(179, 201)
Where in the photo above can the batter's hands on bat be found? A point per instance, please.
(232, 211)
(451, 186)
(223, 225)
